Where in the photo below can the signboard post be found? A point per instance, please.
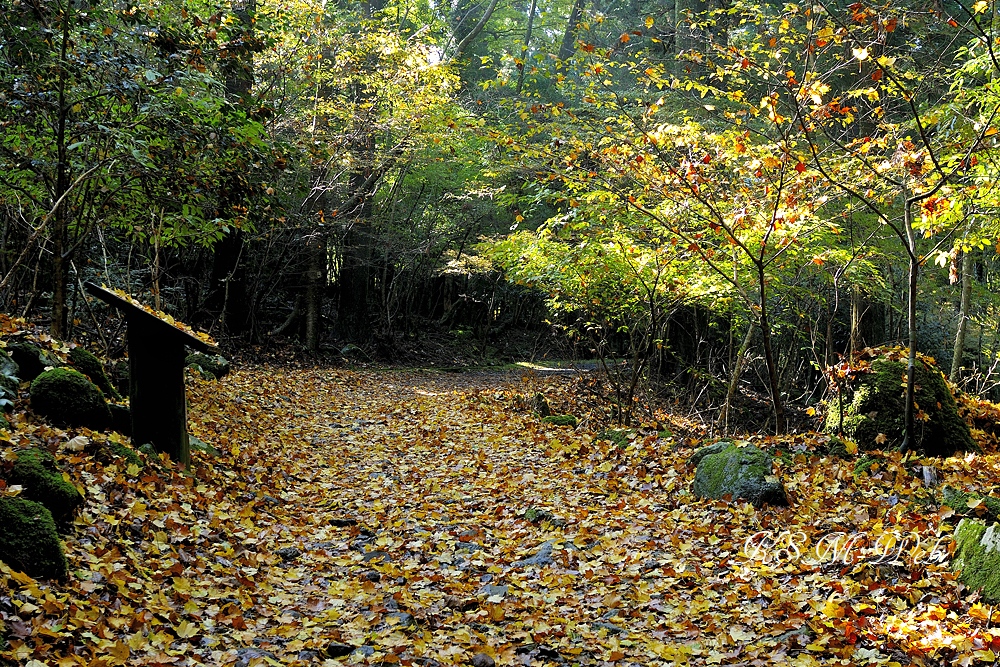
(156, 376)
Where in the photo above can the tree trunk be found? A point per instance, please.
(963, 317)
(734, 381)
(60, 231)
(527, 44)
(568, 47)
(911, 322)
(315, 285)
(772, 368)
(228, 295)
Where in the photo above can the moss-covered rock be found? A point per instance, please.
(31, 360)
(874, 417)
(215, 365)
(9, 382)
(743, 473)
(29, 541)
(84, 361)
(68, 398)
(560, 420)
(977, 557)
(121, 451)
(982, 507)
(37, 471)
(708, 450)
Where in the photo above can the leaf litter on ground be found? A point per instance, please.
(390, 517)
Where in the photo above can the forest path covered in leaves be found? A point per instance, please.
(390, 517)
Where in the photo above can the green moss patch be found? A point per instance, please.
(85, 362)
(560, 420)
(742, 473)
(874, 417)
(68, 398)
(215, 365)
(977, 557)
(36, 470)
(29, 541)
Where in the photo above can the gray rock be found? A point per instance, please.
(540, 559)
(288, 554)
(400, 618)
(364, 651)
(490, 590)
(610, 627)
(482, 660)
(743, 473)
(338, 650)
(245, 655)
(376, 555)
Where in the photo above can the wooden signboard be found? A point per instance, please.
(156, 376)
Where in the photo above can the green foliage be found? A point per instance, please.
(67, 397)
(29, 541)
(36, 470)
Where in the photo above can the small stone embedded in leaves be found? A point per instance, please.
(288, 554)
(339, 650)
(482, 660)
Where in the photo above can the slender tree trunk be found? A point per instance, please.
(855, 320)
(963, 317)
(527, 45)
(315, 283)
(60, 231)
(568, 47)
(772, 368)
(734, 381)
(911, 322)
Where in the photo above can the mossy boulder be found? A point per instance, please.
(983, 507)
(743, 473)
(68, 398)
(977, 557)
(29, 541)
(37, 471)
(874, 417)
(215, 365)
(84, 361)
(540, 405)
(31, 360)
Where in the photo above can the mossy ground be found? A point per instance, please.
(29, 541)
(36, 470)
(68, 398)
(560, 420)
(874, 417)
